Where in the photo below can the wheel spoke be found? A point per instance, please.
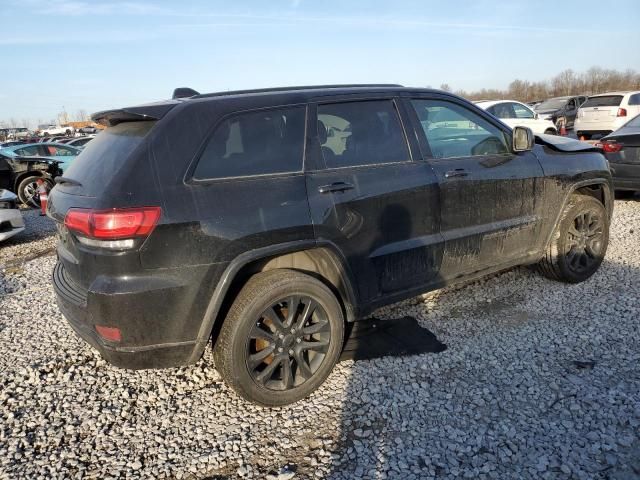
(257, 358)
(261, 334)
(294, 301)
(287, 374)
(272, 315)
(267, 373)
(309, 308)
(303, 367)
(321, 346)
(320, 327)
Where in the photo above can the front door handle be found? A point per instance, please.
(335, 187)
(458, 172)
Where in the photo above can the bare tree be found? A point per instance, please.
(445, 87)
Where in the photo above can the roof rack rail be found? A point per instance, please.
(287, 89)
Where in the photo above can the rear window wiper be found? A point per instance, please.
(66, 180)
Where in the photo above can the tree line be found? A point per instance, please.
(593, 81)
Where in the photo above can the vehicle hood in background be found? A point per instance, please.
(564, 144)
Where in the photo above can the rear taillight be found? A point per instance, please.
(622, 112)
(112, 334)
(116, 224)
(609, 147)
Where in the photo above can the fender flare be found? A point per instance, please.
(246, 258)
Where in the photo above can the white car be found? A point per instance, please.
(516, 114)
(604, 113)
(50, 130)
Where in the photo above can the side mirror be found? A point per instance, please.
(522, 139)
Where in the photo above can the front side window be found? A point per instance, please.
(255, 143)
(28, 151)
(361, 133)
(522, 112)
(454, 131)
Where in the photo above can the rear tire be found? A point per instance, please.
(579, 242)
(271, 355)
(28, 191)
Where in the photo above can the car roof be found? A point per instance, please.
(625, 92)
(283, 95)
(490, 103)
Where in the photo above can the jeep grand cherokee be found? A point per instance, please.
(263, 220)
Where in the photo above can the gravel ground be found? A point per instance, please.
(540, 380)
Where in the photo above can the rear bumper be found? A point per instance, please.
(11, 223)
(84, 309)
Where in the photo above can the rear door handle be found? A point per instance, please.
(458, 172)
(335, 187)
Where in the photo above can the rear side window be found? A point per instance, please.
(106, 154)
(255, 143)
(604, 101)
(361, 133)
(634, 99)
(502, 110)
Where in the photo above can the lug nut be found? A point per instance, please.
(298, 340)
(280, 349)
(293, 330)
(281, 337)
(290, 352)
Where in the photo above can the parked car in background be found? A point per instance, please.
(265, 236)
(12, 143)
(79, 142)
(14, 133)
(560, 107)
(518, 114)
(48, 130)
(622, 149)
(604, 113)
(20, 175)
(11, 221)
(54, 151)
(86, 130)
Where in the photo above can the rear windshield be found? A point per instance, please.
(604, 101)
(105, 155)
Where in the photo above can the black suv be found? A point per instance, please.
(264, 220)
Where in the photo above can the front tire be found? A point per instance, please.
(281, 338)
(579, 242)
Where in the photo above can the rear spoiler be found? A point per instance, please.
(564, 144)
(152, 111)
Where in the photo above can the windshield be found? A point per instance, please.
(552, 104)
(603, 101)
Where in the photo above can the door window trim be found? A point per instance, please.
(397, 104)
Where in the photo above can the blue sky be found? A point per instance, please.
(98, 54)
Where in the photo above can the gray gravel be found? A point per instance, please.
(540, 380)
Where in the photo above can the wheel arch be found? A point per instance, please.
(599, 188)
(318, 259)
(27, 173)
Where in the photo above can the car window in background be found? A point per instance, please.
(552, 104)
(634, 99)
(256, 143)
(522, 111)
(604, 101)
(361, 133)
(27, 151)
(503, 110)
(465, 134)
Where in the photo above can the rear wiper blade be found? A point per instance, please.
(70, 181)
